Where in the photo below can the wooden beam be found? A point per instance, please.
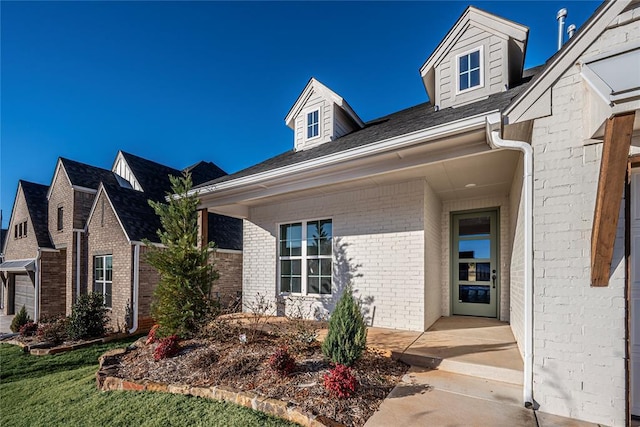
(613, 170)
(203, 227)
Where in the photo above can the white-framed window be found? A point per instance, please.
(313, 124)
(305, 257)
(103, 277)
(469, 66)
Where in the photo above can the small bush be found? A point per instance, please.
(347, 337)
(88, 317)
(54, 331)
(167, 347)
(28, 329)
(19, 319)
(340, 381)
(151, 336)
(282, 362)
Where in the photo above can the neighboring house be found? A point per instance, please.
(33, 270)
(497, 198)
(85, 232)
(121, 219)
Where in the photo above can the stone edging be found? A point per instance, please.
(36, 349)
(106, 382)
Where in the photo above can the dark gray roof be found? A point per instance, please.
(35, 196)
(419, 117)
(204, 171)
(152, 176)
(3, 237)
(84, 175)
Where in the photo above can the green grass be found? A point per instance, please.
(60, 390)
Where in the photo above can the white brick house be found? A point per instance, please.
(504, 196)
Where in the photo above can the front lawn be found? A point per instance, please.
(60, 390)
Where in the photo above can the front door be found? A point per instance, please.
(634, 303)
(475, 272)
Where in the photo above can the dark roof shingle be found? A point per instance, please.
(83, 175)
(35, 196)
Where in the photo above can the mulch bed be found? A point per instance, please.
(225, 360)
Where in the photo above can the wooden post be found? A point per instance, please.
(613, 169)
(203, 227)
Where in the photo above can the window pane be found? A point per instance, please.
(475, 78)
(285, 268)
(313, 230)
(107, 275)
(107, 295)
(475, 226)
(464, 84)
(310, 132)
(325, 286)
(325, 247)
(284, 250)
(97, 287)
(475, 59)
(313, 284)
(285, 284)
(99, 274)
(464, 63)
(313, 267)
(474, 248)
(98, 262)
(325, 267)
(326, 229)
(296, 267)
(475, 294)
(296, 284)
(474, 271)
(109, 261)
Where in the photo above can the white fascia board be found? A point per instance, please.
(84, 189)
(387, 145)
(567, 56)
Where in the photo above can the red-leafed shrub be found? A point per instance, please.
(53, 331)
(340, 381)
(28, 329)
(167, 347)
(282, 362)
(151, 336)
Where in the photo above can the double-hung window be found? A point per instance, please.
(469, 70)
(305, 254)
(60, 218)
(103, 277)
(313, 124)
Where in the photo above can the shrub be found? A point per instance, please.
(340, 381)
(166, 348)
(88, 317)
(282, 362)
(28, 329)
(19, 319)
(347, 337)
(181, 300)
(151, 336)
(53, 331)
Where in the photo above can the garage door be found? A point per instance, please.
(24, 294)
(635, 293)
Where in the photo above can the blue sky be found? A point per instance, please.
(182, 82)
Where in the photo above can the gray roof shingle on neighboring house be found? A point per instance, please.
(35, 196)
(84, 175)
(3, 237)
(419, 117)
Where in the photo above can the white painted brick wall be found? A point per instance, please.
(579, 331)
(450, 206)
(381, 232)
(516, 280)
(433, 256)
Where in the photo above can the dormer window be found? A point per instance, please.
(469, 70)
(313, 124)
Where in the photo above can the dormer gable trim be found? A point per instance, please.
(472, 16)
(59, 166)
(315, 86)
(124, 174)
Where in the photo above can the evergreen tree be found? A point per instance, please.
(181, 300)
(347, 337)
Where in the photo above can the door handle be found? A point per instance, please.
(494, 279)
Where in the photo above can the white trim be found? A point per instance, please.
(84, 189)
(479, 49)
(303, 257)
(228, 251)
(306, 113)
(395, 143)
(78, 258)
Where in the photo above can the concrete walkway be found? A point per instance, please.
(465, 371)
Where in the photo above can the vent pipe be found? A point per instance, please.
(562, 13)
(571, 29)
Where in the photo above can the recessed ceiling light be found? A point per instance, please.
(470, 185)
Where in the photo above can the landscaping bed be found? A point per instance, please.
(237, 356)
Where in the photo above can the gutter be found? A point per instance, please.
(396, 143)
(136, 287)
(495, 141)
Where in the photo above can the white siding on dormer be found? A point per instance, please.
(342, 124)
(324, 107)
(121, 168)
(494, 68)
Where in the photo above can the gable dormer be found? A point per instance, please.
(124, 174)
(320, 115)
(481, 55)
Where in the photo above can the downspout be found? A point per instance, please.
(495, 141)
(136, 283)
(78, 259)
(36, 297)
